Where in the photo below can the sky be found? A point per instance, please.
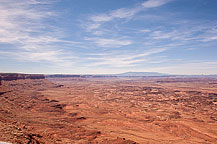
(108, 36)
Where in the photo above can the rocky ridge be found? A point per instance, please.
(17, 76)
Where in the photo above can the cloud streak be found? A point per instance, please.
(22, 26)
(104, 42)
(119, 13)
(127, 60)
(123, 13)
(154, 3)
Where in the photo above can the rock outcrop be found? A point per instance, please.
(16, 76)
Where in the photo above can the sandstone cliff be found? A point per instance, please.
(16, 76)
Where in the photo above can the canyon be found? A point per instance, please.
(110, 110)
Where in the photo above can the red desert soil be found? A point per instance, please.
(109, 111)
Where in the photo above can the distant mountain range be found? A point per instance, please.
(156, 74)
(133, 74)
(126, 74)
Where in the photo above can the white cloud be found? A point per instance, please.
(209, 38)
(127, 60)
(103, 42)
(21, 25)
(191, 49)
(122, 13)
(93, 26)
(127, 12)
(119, 13)
(173, 35)
(198, 33)
(154, 3)
(101, 18)
(145, 30)
(51, 56)
(98, 32)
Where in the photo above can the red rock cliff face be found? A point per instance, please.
(9, 77)
(36, 76)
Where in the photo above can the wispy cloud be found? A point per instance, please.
(123, 13)
(172, 35)
(91, 26)
(109, 38)
(203, 33)
(21, 25)
(209, 38)
(127, 60)
(154, 3)
(119, 13)
(145, 30)
(103, 42)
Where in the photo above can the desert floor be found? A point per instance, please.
(109, 110)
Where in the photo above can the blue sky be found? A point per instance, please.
(108, 36)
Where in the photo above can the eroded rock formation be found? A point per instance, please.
(16, 76)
